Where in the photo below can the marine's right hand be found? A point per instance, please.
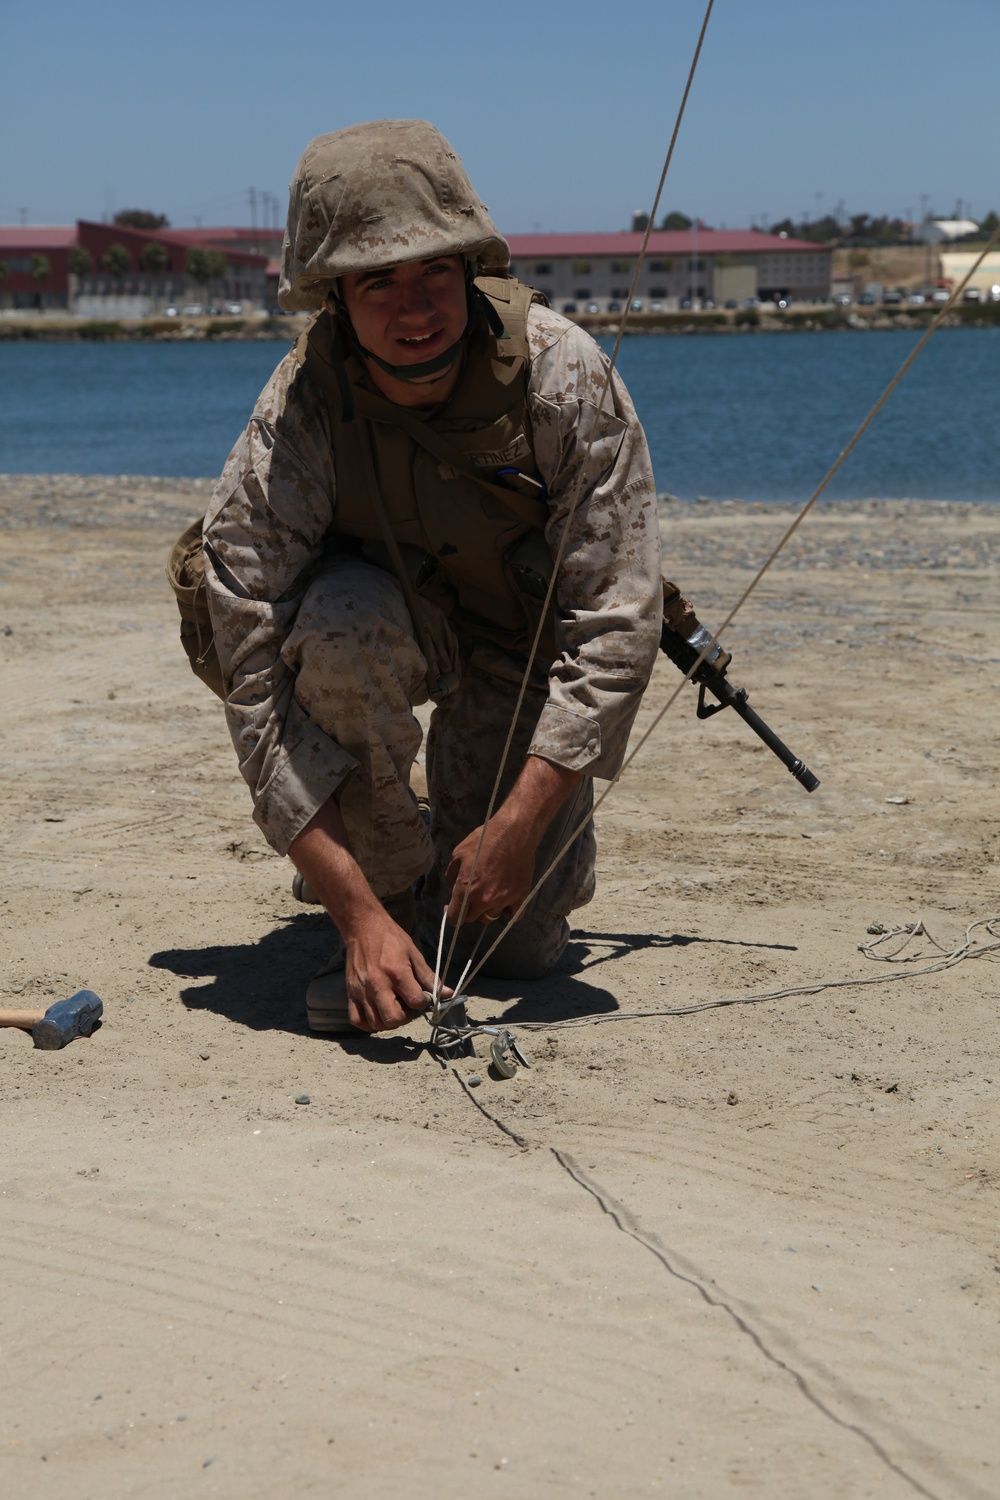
(386, 973)
(385, 970)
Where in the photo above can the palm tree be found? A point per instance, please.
(39, 268)
(153, 257)
(205, 265)
(117, 261)
(79, 262)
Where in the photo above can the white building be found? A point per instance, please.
(577, 270)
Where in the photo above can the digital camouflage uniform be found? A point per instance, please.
(319, 653)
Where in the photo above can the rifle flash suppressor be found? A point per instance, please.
(683, 638)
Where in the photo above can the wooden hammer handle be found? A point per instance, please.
(23, 1018)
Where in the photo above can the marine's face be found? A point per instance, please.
(408, 314)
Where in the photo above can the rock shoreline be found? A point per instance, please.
(875, 535)
(285, 329)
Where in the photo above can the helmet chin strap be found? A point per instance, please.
(427, 369)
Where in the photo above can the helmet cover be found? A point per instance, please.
(377, 195)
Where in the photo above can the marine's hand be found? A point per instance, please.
(505, 869)
(386, 974)
(503, 873)
(385, 971)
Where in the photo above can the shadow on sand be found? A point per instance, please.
(262, 985)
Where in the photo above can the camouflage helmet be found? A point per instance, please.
(377, 195)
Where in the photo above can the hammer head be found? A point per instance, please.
(66, 1019)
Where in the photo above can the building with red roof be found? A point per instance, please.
(115, 270)
(112, 269)
(695, 264)
(34, 263)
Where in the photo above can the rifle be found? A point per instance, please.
(683, 638)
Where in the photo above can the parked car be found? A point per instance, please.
(708, 302)
(940, 294)
(233, 309)
(916, 299)
(972, 294)
(751, 301)
(730, 303)
(656, 307)
(780, 301)
(867, 299)
(170, 312)
(685, 303)
(891, 297)
(995, 293)
(193, 310)
(636, 304)
(592, 307)
(614, 307)
(843, 299)
(569, 307)
(212, 310)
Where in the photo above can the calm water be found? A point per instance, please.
(755, 417)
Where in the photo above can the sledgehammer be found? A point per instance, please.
(61, 1023)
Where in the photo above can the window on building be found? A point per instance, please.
(543, 268)
(619, 291)
(620, 268)
(582, 292)
(581, 268)
(659, 265)
(657, 291)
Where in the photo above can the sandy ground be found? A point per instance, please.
(751, 1251)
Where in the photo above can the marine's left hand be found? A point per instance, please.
(503, 873)
(505, 870)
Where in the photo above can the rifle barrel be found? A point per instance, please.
(684, 656)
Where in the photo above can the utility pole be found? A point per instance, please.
(925, 235)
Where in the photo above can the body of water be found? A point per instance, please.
(752, 417)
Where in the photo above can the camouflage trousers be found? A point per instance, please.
(360, 674)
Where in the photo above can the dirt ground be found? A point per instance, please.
(754, 1250)
(893, 265)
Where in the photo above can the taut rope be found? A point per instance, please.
(557, 560)
(752, 585)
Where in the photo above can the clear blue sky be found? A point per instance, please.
(561, 112)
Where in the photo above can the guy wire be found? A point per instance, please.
(751, 586)
(968, 948)
(560, 550)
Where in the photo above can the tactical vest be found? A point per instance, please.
(471, 536)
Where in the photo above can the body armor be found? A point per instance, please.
(459, 485)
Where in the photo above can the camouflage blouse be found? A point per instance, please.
(267, 525)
